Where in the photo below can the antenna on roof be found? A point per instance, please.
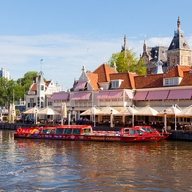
(41, 61)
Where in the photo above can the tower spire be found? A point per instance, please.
(125, 42)
(178, 24)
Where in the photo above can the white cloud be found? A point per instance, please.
(63, 55)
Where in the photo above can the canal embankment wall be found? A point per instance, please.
(183, 135)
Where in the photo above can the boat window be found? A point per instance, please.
(126, 131)
(132, 131)
(150, 130)
(68, 131)
(76, 131)
(47, 131)
(139, 132)
(52, 131)
(87, 130)
(59, 131)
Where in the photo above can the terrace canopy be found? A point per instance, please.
(147, 111)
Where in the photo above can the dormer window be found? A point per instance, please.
(172, 81)
(116, 83)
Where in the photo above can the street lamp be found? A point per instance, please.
(133, 116)
(165, 120)
(175, 117)
(69, 117)
(111, 119)
(13, 114)
(73, 115)
(94, 115)
(35, 116)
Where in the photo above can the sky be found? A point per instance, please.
(69, 34)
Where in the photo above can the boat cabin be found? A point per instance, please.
(131, 131)
(68, 129)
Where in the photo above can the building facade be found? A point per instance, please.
(40, 91)
(106, 87)
(5, 73)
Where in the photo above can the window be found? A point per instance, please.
(171, 81)
(31, 100)
(67, 131)
(116, 83)
(42, 87)
(76, 131)
(87, 130)
(59, 131)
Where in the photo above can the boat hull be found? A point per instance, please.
(104, 138)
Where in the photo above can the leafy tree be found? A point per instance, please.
(27, 80)
(12, 91)
(127, 61)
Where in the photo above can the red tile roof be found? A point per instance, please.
(177, 71)
(33, 88)
(149, 81)
(93, 77)
(103, 72)
(128, 79)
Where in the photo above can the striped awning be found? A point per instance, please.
(115, 94)
(110, 94)
(103, 95)
(80, 85)
(81, 96)
(60, 96)
(157, 95)
(141, 95)
(180, 94)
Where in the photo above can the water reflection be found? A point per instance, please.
(43, 165)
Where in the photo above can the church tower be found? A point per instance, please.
(41, 87)
(179, 52)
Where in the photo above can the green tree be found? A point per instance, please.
(11, 91)
(27, 80)
(127, 61)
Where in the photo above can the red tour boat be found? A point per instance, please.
(86, 133)
(153, 131)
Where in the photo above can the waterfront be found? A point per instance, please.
(42, 165)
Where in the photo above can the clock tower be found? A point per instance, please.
(179, 52)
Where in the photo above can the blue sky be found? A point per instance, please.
(68, 34)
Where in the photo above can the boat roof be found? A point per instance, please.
(69, 126)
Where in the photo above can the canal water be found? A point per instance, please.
(42, 165)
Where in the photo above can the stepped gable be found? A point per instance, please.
(93, 77)
(177, 71)
(149, 81)
(178, 41)
(128, 79)
(103, 72)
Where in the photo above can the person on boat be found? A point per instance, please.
(164, 130)
(118, 133)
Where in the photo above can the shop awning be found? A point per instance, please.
(180, 94)
(157, 95)
(115, 94)
(81, 96)
(103, 95)
(60, 96)
(141, 95)
(80, 85)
